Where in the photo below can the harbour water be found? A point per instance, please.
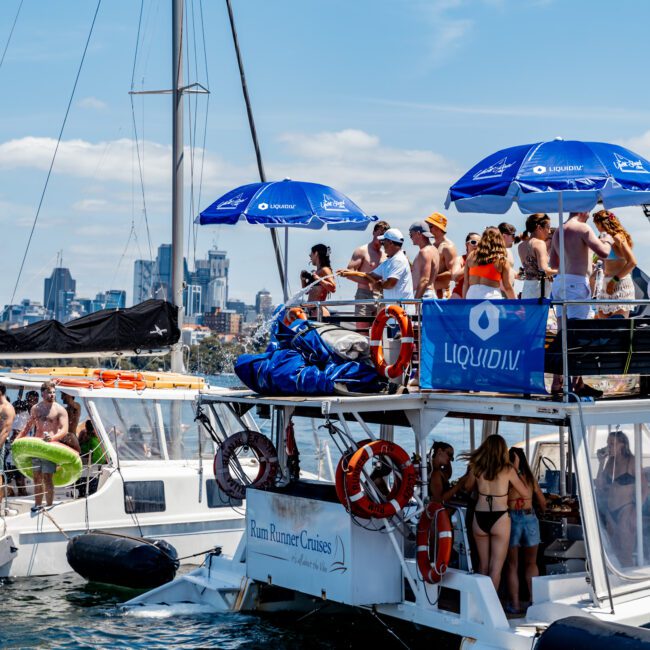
(66, 612)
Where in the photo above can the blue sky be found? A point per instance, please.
(389, 102)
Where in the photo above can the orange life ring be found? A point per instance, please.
(339, 478)
(109, 376)
(434, 518)
(127, 385)
(294, 313)
(407, 341)
(80, 383)
(355, 491)
(265, 452)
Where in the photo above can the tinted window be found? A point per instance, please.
(217, 498)
(144, 496)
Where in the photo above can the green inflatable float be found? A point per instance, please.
(68, 461)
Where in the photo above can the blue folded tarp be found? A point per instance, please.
(297, 362)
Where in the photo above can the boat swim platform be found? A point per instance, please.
(407, 409)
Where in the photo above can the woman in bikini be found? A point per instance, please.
(492, 473)
(440, 458)
(524, 528)
(320, 258)
(618, 266)
(616, 484)
(487, 268)
(534, 257)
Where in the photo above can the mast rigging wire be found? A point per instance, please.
(56, 150)
(258, 155)
(11, 31)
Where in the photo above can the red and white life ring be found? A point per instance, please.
(407, 341)
(434, 520)
(266, 455)
(339, 478)
(405, 484)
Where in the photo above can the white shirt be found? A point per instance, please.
(397, 267)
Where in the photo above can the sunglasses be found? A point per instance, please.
(473, 242)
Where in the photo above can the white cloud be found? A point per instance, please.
(105, 161)
(639, 144)
(402, 183)
(93, 103)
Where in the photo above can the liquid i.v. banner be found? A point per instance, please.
(487, 345)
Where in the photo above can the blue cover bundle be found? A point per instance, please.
(298, 362)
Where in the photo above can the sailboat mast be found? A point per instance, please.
(177, 175)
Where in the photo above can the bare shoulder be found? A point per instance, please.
(360, 251)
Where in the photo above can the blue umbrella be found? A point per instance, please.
(552, 177)
(537, 176)
(287, 203)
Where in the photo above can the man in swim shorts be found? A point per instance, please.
(50, 422)
(74, 411)
(7, 415)
(366, 259)
(579, 241)
(426, 262)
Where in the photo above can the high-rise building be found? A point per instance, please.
(59, 289)
(153, 279)
(212, 276)
(142, 280)
(264, 303)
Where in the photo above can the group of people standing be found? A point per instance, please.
(45, 419)
(486, 270)
(504, 524)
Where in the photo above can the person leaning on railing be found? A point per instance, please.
(618, 267)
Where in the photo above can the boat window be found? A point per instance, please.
(217, 498)
(131, 426)
(182, 432)
(620, 464)
(144, 496)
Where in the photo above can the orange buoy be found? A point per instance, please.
(434, 522)
(407, 341)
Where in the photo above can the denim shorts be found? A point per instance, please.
(524, 529)
(43, 466)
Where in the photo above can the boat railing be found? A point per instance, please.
(579, 353)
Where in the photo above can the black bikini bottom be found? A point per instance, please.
(485, 520)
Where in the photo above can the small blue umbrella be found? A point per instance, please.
(538, 176)
(287, 203)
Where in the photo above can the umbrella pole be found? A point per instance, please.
(285, 279)
(565, 347)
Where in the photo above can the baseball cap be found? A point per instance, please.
(437, 219)
(394, 235)
(421, 227)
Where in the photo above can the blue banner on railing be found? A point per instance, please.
(489, 345)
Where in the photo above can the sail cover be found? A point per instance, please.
(152, 324)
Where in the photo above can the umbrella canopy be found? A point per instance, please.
(535, 176)
(287, 203)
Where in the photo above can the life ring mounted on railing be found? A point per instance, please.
(267, 456)
(407, 341)
(355, 491)
(434, 519)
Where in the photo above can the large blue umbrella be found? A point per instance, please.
(537, 176)
(552, 177)
(287, 203)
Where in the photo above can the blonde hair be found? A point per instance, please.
(491, 247)
(490, 459)
(609, 222)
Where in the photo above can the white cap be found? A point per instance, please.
(394, 235)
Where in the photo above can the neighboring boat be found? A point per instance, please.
(154, 477)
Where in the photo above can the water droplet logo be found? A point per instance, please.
(539, 169)
(484, 320)
(263, 206)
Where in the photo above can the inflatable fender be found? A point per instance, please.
(590, 633)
